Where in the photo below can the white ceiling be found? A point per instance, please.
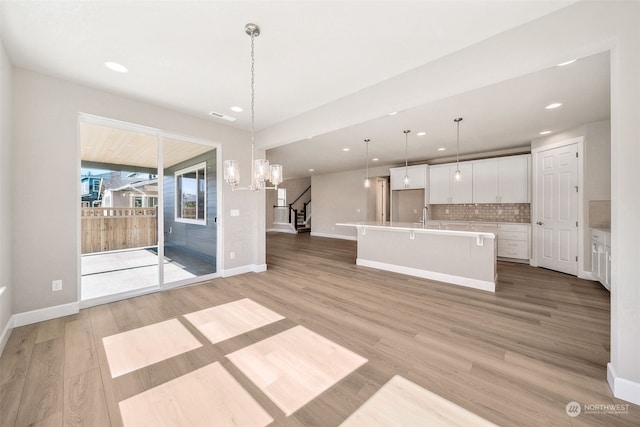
(194, 57)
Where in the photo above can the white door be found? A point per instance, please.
(557, 209)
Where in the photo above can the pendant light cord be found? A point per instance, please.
(253, 98)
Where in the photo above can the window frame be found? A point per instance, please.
(178, 197)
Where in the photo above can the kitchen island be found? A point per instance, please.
(466, 258)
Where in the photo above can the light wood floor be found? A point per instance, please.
(516, 357)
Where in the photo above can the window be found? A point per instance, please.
(282, 197)
(191, 190)
(96, 187)
(85, 186)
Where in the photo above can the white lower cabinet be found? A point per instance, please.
(601, 257)
(514, 241)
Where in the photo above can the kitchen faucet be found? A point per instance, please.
(425, 214)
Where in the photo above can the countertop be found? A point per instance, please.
(415, 227)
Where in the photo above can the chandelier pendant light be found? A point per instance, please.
(458, 175)
(261, 171)
(367, 181)
(406, 159)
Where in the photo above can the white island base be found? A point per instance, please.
(463, 258)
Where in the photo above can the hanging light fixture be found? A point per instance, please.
(458, 176)
(406, 158)
(261, 171)
(367, 181)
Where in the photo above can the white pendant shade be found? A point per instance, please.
(262, 172)
(232, 172)
(276, 174)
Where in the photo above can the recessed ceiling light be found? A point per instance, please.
(236, 109)
(393, 113)
(309, 137)
(375, 159)
(441, 149)
(545, 132)
(114, 66)
(345, 149)
(311, 170)
(562, 64)
(553, 105)
(421, 133)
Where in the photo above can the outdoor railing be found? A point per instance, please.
(108, 229)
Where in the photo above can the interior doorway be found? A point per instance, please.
(556, 207)
(149, 202)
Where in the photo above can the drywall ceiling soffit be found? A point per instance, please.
(194, 56)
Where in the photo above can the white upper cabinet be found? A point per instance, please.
(417, 177)
(486, 181)
(515, 179)
(444, 189)
(502, 180)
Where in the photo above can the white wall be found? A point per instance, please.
(5, 191)
(597, 169)
(341, 197)
(45, 148)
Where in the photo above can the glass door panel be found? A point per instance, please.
(190, 209)
(119, 211)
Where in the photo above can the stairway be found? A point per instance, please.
(302, 227)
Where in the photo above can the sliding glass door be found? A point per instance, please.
(148, 210)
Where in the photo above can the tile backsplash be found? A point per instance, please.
(493, 212)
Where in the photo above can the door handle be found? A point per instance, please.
(539, 222)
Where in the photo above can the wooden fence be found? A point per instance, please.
(108, 229)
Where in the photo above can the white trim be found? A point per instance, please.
(178, 204)
(622, 388)
(281, 230)
(433, 275)
(334, 236)
(5, 334)
(249, 268)
(35, 316)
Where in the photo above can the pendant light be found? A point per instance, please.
(261, 171)
(406, 159)
(458, 176)
(367, 181)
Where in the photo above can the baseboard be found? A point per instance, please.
(334, 236)
(281, 230)
(425, 274)
(622, 388)
(5, 334)
(251, 268)
(35, 316)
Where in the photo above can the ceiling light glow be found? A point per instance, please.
(393, 113)
(345, 149)
(553, 105)
(562, 64)
(114, 66)
(545, 132)
(421, 133)
(236, 109)
(441, 149)
(311, 170)
(375, 159)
